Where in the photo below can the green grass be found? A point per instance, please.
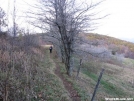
(112, 89)
(129, 62)
(90, 74)
(108, 87)
(81, 92)
(52, 89)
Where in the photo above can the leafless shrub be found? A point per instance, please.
(19, 70)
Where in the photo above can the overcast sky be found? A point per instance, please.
(119, 24)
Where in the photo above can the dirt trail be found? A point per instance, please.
(68, 86)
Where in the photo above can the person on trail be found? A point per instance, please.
(51, 48)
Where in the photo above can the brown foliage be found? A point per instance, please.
(116, 45)
(18, 69)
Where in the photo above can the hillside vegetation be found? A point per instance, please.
(28, 72)
(120, 46)
(111, 40)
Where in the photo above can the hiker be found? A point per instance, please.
(51, 48)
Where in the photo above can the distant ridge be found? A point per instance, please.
(124, 47)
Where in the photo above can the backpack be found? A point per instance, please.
(50, 48)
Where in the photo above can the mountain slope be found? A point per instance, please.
(120, 46)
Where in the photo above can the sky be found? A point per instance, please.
(119, 23)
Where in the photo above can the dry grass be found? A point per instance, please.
(114, 83)
(117, 81)
(120, 79)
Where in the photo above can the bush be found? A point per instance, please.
(19, 71)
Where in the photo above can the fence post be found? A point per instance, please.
(96, 87)
(79, 68)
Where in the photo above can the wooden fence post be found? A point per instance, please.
(96, 87)
(79, 69)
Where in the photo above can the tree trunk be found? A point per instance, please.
(62, 56)
(6, 92)
(69, 65)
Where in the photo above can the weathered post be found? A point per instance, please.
(96, 87)
(79, 69)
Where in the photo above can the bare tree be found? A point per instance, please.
(64, 20)
(14, 19)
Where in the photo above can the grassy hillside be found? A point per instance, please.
(117, 80)
(111, 40)
(28, 72)
(114, 44)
